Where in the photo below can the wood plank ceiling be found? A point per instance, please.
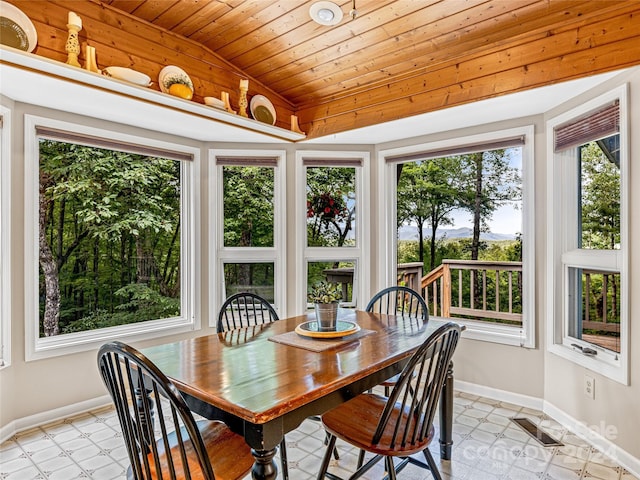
(374, 55)
(395, 59)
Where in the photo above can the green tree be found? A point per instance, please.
(103, 212)
(428, 192)
(331, 205)
(490, 182)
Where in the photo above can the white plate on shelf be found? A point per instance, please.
(127, 75)
(16, 29)
(262, 109)
(172, 74)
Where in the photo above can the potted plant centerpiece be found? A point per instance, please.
(325, 297)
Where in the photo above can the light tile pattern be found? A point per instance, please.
(487, 446)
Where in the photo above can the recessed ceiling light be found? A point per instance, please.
(325, 13)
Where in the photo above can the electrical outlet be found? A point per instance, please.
(589, 387)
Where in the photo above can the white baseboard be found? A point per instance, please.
(590, 436)
(497, 394)
(595, 438)
(32, 421)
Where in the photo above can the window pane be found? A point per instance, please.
(256, 278)
(594, 307)
(599, 197)
(341, 272)
(460, 225)
(248, 206)
(109, 241)
(331, 206)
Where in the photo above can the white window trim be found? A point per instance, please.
(38, 348)
(359, 253)
(476, 330)
(275, 254)
(561, 253)
(5, 237)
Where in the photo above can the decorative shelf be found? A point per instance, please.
(40, 81)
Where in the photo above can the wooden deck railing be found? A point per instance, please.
(475, 289)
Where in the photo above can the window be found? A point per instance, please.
(588, 243)
(330, 200)
(5, 222)
(112, 236)
(459, 219)
(249, 225)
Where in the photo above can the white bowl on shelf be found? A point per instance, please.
(214, 102)
(127, 75)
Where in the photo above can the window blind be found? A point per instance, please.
(331, 162)
(595, 125)
(110, 144)
(457, 150)
(247, 161)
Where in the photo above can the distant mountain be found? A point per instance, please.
(411, 233)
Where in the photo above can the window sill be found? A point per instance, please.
(614, 370)
(494, 333)
(84, 341)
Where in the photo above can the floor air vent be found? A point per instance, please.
(540, 435)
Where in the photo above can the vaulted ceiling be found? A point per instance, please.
(395, 59)
(384, 53)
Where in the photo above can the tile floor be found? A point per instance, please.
(488, 446)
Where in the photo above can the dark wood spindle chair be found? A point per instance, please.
(162, 437)
(401, 424)
(401, 301)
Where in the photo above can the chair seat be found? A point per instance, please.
(228, 453)
(352, 422)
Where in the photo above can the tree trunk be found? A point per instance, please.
(420, 242)
(477, 205)
(51, 319)
(432, 245)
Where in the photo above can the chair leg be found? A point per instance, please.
(283, 460)
(327, 457)
(432, 464)
(360, 458)
(391, 469)
(335, 450)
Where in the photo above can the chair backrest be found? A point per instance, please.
(417, 391)
(399, 300)
(174, 448)
(245, 309)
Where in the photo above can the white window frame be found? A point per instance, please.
(477, 330)
(5, 237)
(562, 253)
(359, 254)
(275, 254)
(38, 348)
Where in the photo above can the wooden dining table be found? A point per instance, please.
(264, 380)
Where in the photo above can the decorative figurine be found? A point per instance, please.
(242, 102)
(72, 47)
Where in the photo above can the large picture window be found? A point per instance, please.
(112, 235)
(463, 211)
(588, 284)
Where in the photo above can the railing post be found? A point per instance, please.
(446, 294)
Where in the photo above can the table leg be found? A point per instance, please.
(264, 467)
(446, 416)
